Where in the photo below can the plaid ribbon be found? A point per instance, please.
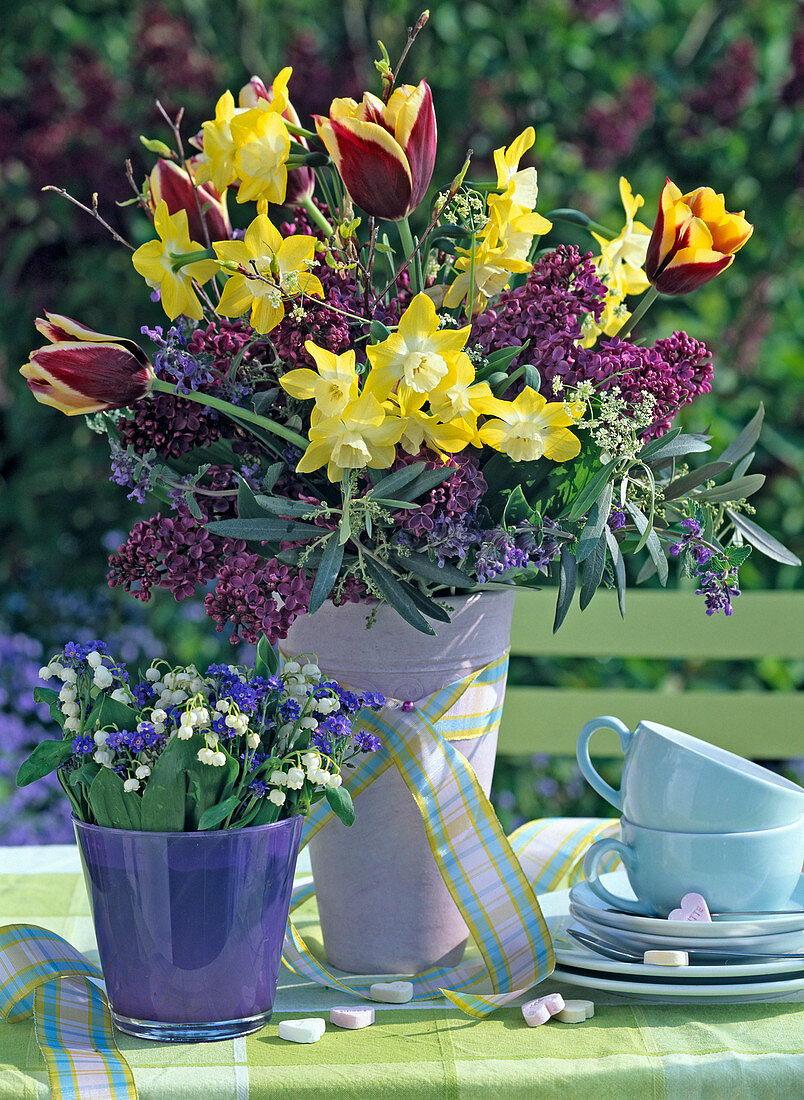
(42, 975)
(492, 880)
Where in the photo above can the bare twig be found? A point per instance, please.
(412, 33)
(92, 211)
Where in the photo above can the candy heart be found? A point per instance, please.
(693, 908)
(396, 993)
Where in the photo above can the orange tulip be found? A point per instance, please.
(82, 371)
(384, 152)
(693, 240)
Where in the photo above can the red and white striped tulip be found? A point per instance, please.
(384, 152)
(82, 371)
(170, 183)
(301, 181)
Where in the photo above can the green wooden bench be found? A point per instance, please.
(668, 625)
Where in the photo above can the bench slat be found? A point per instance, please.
(662, 624)
(760, 725)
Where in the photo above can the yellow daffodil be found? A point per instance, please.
(460, 397)
(154, 261)
(362, 434)
(621, 259)
(248, 144)
(417, 355)
(263, 146)
(503, 244)
(425, 429)
(280, 265)
(529, 428)
(332, 386)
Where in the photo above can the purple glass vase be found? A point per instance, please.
(190, 925)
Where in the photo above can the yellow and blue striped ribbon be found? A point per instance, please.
(493, 881)
(43, 975)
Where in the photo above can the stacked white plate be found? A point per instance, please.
(753, 979)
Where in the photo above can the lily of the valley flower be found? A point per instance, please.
(333, 385)
(156, 260)
(82, 371)
(418, 355)
(169, 183)
(693, 240)
(280, 266)
(300, 181)
(361, 435)
(528, 428)
(384, 152)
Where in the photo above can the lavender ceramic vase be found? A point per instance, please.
(190, 925)
(382, 902)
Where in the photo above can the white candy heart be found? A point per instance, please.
(693, 908)
(302, 1031)
(395, 993)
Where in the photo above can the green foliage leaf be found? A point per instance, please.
(392, 591)
(214, 815)
(664, 448)
(267, 660)
(378, 332)
(501, 359)
(739, 489)
(592, 571)
(264, 530)
(516, 508)
(567, 582)
(281, 506)
(272, 475)
(736, 555)
(110, 712)
(595, 524)
(759, 538)
(45, 695)
(426, 481)
(395, 482)
(591, 491)
(207, 786)
(424, 566)
(45, 758)
(652, 543)
(247, 506)
(163, 799)
(692, 480)
(745, 441)
(111, 805)
(340, 802)
(427, 606)
(327, 572)
(619, 568)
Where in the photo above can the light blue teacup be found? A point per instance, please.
(746, 871)
(673, 781)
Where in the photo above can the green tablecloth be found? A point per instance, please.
(422, 1051)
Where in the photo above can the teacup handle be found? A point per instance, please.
(591, 871)
(596, 781)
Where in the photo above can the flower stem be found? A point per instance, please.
(649, 297)
(233, 411)
(411, 252)
(316, 217)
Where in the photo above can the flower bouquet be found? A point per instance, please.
(188, 793)
(375, 406)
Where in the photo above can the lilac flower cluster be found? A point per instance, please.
(259, 597)
(503, 549)
(611, 128)
(455, 498)
(548, 311)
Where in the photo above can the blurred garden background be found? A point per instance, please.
(705, 92)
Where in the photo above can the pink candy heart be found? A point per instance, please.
(693, 908)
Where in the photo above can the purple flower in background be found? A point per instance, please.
(692, 542)
(616, 519)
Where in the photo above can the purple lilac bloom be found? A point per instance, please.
(718, 589)
(548, 311)
(518, 548)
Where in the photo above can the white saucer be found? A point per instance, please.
(589, 904)
(702, 985)
(675, 936)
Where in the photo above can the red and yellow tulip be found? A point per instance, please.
(693, 240)
(82, 371)
(384, 152)
(169, 183)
